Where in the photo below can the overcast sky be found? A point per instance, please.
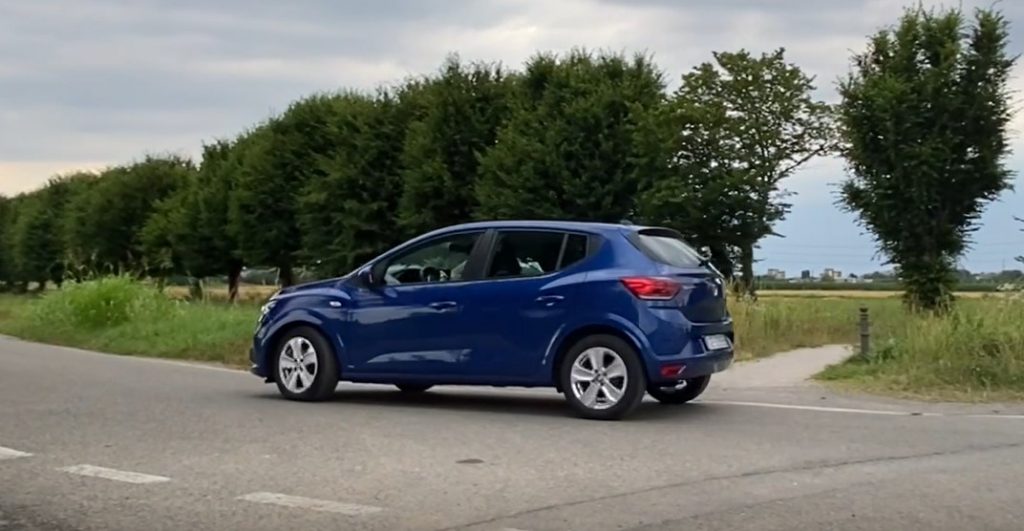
(86, 83)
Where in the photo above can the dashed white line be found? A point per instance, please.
(11, 453)
(298, 502)
(113, 475)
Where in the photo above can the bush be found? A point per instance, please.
(100, 303)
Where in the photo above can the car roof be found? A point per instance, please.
(582, 226)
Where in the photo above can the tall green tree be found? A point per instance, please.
(348, 212)
(104, 224)
(279, 160)
(36, 242)
(189, 233)
(568, 149)
(735, 130)
(7, 206)
(924, 114)
(463, 107)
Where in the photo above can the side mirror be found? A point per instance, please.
(366, 277)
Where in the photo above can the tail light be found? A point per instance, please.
(652, 288)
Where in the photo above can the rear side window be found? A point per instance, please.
(668, 248)
(534, 253)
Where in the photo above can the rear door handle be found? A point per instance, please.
(549, 300)
(443, 305)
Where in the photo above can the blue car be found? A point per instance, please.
(602, 312)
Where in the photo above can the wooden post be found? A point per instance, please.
(865, 332)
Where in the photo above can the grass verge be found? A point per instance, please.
(975, 353)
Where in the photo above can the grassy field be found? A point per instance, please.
(976, 353)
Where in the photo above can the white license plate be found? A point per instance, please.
(717, 342)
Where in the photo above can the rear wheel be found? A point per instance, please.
(692, 388)
(305, 366)
(413, 388)
(602, 378)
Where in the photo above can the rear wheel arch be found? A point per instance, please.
(586, 331)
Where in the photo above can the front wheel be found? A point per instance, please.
(692, 388)
(305, 366)
(602, 378)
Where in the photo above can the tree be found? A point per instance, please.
(189, 233)
(1020, 258)
(924, 118)
(36, 244)
(277, 162)
(568, 149)
(104, 224)
(7, 206)
(730, 135)
(347, 212)
(463, 107)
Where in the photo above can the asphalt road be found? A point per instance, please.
(90, 441)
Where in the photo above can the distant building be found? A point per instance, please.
(831, 274)
(776, 274)
(805, 274)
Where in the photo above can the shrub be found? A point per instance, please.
(104, 302)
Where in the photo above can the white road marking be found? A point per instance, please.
(112, 474)
(11, 453)
(298, 502)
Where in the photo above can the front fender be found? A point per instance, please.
(326, 320)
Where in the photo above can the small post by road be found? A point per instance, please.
(865, 332)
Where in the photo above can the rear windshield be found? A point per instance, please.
(668, 248)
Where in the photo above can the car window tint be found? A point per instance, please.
(442, 260)
(669, 250)
(525, 253)
(575, 250)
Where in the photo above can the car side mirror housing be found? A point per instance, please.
(367, 277)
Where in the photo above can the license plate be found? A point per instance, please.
(717, 342)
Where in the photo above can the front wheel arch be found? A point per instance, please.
(273, 345)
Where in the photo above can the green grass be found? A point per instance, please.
(975, 353)
(122, 317)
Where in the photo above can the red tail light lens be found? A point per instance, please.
(652, 288)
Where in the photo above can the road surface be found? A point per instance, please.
(91, 441)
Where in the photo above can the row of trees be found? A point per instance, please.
(339, 177)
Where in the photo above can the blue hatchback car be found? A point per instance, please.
(602, 312)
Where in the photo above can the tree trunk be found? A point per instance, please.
(234, 275)
(195, 289)
(160, 283)
(747, 265)
(286, 276)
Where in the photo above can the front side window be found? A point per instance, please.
(441, 260)
(526, 254)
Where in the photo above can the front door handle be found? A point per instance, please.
(550, 300)
(443, 306)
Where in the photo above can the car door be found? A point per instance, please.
(413, 324)
(527, 291)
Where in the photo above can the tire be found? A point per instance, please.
(413, 388)
(629, 386)
(672, 396)
(322, 375)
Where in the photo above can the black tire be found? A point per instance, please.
(635, 382)
(413, 388)
(325, 380)
(672, 396)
